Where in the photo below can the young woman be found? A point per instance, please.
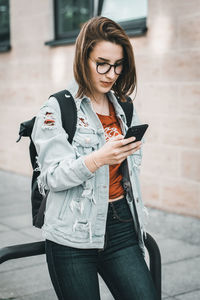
(94, 218)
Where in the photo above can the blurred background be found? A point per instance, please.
(36, 59)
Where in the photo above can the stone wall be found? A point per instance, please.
(168, 60)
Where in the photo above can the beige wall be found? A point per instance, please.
(167, 61)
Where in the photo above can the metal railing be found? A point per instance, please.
(154, 262)
(38, 248)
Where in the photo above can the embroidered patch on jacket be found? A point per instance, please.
(49, 120)
(83, 122)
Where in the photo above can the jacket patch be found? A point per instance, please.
(83, 121)
(49, 121)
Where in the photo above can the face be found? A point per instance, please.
(104, 52)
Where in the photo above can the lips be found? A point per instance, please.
(106, 83)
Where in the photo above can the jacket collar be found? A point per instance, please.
(118, 109)
(73, 88)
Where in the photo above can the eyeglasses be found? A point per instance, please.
(103, 68)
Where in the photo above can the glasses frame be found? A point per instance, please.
(110, 66)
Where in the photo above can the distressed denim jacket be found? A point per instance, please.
(77, 203)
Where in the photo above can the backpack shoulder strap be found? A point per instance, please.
(128, 109)
(68, 112)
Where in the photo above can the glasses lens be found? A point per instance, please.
(118, 69)
(103, 68)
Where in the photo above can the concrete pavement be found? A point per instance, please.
(27, 278)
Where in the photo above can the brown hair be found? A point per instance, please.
(100, 29)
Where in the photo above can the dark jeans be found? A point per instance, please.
(121, 264)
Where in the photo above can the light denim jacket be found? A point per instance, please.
(77, 203)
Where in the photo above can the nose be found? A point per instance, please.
(111, 74)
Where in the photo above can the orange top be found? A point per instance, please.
(112, 128)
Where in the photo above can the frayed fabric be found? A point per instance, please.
(145, 210)
(84, 227)
(79, 205)
(38, 168)
(83, 122)
(49, 121)
(41, 186)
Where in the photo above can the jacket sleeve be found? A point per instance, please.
(59, 167)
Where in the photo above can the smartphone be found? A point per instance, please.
(136, 131)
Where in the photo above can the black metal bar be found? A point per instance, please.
(23, 250)
(154, 262)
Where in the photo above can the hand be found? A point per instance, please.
(116, 150)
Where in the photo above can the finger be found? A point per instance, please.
(129, 152)
(136, 144)
(127, 141)
(136, 148)
(133, 145)
(131, 148)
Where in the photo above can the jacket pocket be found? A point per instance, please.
(85, 141)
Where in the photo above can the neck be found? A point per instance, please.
(100, 105)
(100, 99)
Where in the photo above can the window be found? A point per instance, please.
(4, 26)
(130, 14)
(69, 15)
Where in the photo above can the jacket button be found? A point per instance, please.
(137, 199)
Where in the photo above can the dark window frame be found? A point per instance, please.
(135, 27)
(72, 33)
(5, 43)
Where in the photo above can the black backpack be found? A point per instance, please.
(69, 119)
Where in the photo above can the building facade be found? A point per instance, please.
(167, 59)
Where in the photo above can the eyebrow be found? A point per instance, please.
(107, 60)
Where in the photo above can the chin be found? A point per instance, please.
(105, 89)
